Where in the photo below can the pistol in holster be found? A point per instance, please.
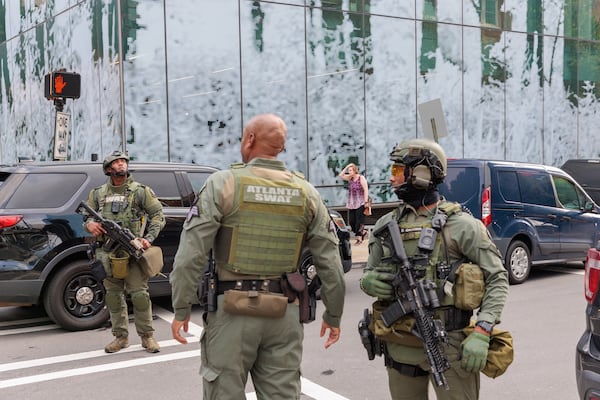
(294, 287)
(373, 345)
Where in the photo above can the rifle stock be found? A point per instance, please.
(117, 236)
(415, 296)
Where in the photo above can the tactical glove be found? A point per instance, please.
(474, 351)
(378, 284)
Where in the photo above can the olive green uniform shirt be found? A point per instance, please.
(214, 201)
(466, 236)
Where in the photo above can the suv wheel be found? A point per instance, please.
(518, 262)
(74, 299)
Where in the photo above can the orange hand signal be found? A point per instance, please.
(59, 84)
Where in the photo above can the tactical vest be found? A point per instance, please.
(411, 233)
(128, 205)
(264, 233)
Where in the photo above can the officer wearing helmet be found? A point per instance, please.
(135, 207)
(464, 264)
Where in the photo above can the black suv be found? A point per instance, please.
(43, 244)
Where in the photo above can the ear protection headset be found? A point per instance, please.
(426, 168)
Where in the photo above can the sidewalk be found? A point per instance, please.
(360, 253)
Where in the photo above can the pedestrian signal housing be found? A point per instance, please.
(61, 84)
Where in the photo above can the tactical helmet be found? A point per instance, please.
(115, 155)
(425, 158)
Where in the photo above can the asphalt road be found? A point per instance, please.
(39, 361)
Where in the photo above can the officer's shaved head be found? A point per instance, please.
(264, 137)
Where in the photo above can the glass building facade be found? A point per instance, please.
(173, 80)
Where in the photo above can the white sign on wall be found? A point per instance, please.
(61, 136)
(432, 119)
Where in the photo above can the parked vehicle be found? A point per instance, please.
(43, 244)
(587, 355)
(535, 214)
(587, 174)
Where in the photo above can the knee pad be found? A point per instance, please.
(114, 300)
(140, 300)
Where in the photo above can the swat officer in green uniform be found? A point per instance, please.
(136, 208)
(462, 247)
(256, 217)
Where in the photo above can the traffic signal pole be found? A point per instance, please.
(59, 86)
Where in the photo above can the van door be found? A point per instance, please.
(577, 227)
(540, 211)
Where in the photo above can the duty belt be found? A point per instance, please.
(265, 285)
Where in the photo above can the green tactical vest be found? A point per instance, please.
(129, 201)
(264, 233)
(411, 232)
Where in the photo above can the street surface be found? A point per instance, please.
(39, 361)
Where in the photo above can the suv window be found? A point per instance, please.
(164, 185)
(30, 193)
(536, 188)
(197, 179)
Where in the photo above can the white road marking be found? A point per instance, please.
(30, 329)
(96, 368)
(309, 388)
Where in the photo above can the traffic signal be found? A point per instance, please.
(61, 84)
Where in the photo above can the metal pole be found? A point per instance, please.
(121, 77)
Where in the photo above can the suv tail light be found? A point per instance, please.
(6, 221)
(486, 206)
(592, 275)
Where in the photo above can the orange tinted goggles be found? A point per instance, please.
(398, 169)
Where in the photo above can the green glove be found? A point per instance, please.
(378, 284)
(474, 351)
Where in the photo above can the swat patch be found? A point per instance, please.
(272, 195)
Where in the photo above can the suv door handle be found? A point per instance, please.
(551, 216)
(565, 218)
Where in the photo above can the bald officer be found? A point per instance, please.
(256, 216)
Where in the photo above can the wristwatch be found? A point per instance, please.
(486, 326)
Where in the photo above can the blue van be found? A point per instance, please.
(536, 214)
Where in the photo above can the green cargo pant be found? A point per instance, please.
(136, 285)
(269, 349)
(463, 385)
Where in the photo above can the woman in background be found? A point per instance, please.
(358, 195)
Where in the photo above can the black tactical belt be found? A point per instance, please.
(405, 369)
(267, 285)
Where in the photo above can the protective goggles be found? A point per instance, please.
(397, 169)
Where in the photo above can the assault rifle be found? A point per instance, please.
(418, 297)
(207, 290)
(117, 236)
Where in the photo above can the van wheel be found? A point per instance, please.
(518, 262)
(74, 298)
